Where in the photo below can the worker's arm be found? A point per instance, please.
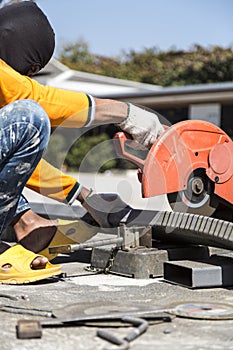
(65, 108)
(76, 109)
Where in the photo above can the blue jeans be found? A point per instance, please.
(24, 135)
(22, 206)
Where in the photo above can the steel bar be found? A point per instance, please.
(122, 344)
(69, 248)
(141, 324)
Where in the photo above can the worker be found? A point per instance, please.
(26, 46)
(24, 134)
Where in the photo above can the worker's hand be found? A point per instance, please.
(142, 125)
(100, 205)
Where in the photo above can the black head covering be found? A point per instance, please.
(26, 36)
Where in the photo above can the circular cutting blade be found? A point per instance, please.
(197, 198)
(183, 205)
(203, 310)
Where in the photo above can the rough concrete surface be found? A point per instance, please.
(98, 290)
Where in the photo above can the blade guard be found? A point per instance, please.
(180, 150)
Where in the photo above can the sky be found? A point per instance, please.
(112, 26)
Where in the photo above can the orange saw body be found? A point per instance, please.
(191, 162)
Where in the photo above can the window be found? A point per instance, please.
(208, 112)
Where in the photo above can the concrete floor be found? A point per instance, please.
(97, 291)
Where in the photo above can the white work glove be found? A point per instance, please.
(100, 205)
(142, 125)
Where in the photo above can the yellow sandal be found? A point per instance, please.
(20, 271)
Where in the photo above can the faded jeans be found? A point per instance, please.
(24, 135)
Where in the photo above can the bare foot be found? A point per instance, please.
(29, 221)
(37, 264)
(34, 232)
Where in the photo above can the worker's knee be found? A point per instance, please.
(30, 117)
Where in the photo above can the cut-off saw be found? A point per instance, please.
(191, 163)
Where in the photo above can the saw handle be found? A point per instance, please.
(129, 149)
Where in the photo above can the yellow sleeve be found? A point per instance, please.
(52, 183)
(65, 108)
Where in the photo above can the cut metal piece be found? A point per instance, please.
(217, 271)
(192, 274)
(28, 329)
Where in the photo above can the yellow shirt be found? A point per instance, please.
(65, 109)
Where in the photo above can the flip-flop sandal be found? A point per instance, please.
(19, 270)
(69, 232)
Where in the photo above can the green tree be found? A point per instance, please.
(174, 67)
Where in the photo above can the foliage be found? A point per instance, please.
(166, 68)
